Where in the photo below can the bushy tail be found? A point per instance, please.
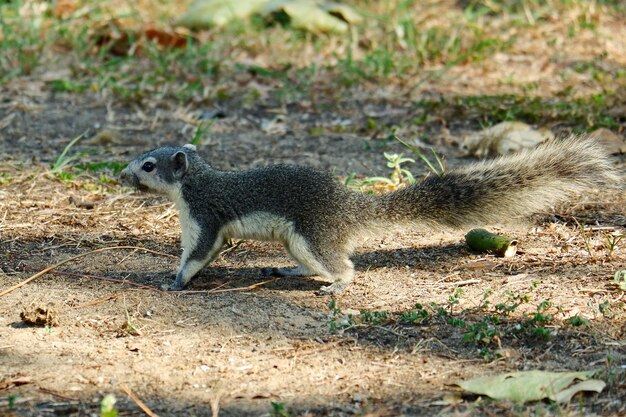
(502, 189)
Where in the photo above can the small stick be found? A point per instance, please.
(100, 278)
(102, 300)
(466, 282)
(56, 394)
(138, 401)
(216, 290)
(50, 268)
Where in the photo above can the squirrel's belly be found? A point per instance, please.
(260, 226)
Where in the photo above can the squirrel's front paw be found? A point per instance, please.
(175, 286)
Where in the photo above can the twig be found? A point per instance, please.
(219, 290)
(139, 286)
(101, 278)
(82, 255)
(57, 394)
(103, 299)
(138, 401)
(372, 326)
(466, 282)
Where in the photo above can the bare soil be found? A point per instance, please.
(236, 342)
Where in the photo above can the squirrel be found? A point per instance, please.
(320, 221)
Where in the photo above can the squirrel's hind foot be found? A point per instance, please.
(286, 272)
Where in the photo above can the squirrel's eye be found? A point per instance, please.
(148, 166)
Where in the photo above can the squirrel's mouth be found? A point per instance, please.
(132, 181)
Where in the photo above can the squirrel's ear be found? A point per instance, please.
(190, 146)
(180, 164)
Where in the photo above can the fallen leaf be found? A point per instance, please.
(343, 11)
(23, 380)
(566, 395)
(504, 138)
(312, 15)
(531, 385)
(166, 38)
(614, 143)
(307, 15)
(205, 14)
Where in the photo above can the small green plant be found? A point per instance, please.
(202, 130)
(612, 241)
(5, 178)
(454, 298)
(372, 317)
(484, 332)
(279, 410)
(399, 174)
(514, 301)
(12, 401)
(577, 321)
(456, 322)
(485, 303)
(395, 161)
(65, 176)
(541, 332)
(67, 86)
(612, 371)
(333, 325)
(64, 159)
(441, 310)
(620, 279)
(107, 406)
(437, 170)
(535, 326)
(605, 308)
(351, 181)
(415, 316)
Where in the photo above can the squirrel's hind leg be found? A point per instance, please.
(330, 263)
(300, 271)
(342, 280)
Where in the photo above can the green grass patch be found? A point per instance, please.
(487, 327)
(586, 113)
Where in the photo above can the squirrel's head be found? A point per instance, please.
(159, 170)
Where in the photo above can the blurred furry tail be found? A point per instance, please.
(502, 189)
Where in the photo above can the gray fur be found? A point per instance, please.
(320, 221)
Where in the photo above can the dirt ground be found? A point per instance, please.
(238, 343)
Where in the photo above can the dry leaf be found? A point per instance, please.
(204, 14)
(614, 143)
(307, 15)
(566, 395)
(532, 385)
(504, 138)
(311, 15)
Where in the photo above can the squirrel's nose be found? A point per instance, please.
(124, 174)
